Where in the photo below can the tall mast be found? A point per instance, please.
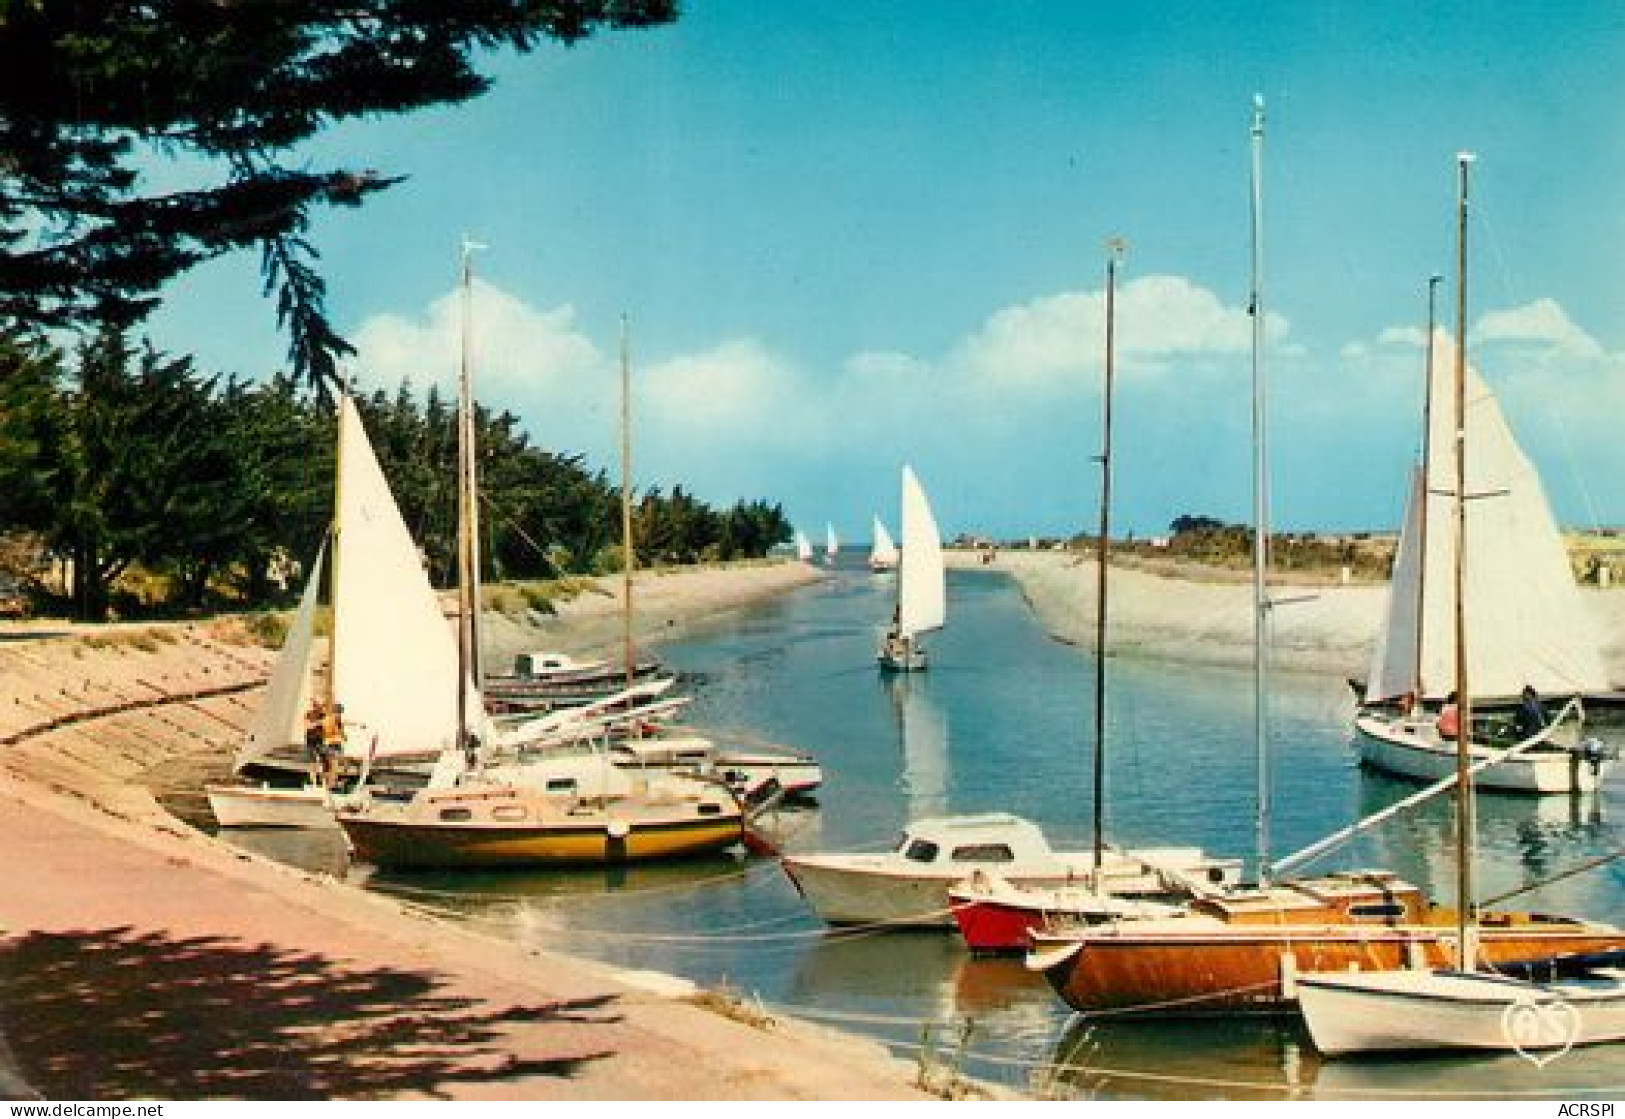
(628, 549)
(1466, 915)
(468, 512)
(330, 685)
(1417, 683)
(1261, 529)
(1114, 255)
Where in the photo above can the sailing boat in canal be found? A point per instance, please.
(1531, 629)
(478, 809)
(922, 592)
(1470, 1004)
(883, 550)
(832, 546)
(1242, 951)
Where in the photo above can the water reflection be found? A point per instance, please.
(922, 727)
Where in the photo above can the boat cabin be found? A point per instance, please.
(968, 842)
(1363, 897)
(541, 665)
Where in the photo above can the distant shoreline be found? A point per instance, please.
(1321, 628)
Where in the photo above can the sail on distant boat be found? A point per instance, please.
(922, 595)
(883, 552)
(832, 546)
(804, 548)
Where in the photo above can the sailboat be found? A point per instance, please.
(883, 552)
(1520, 593)
(922, 596)
(996, 915)
(804, 548)
(1470, 1004)
(276, 729)
(832, 546)
(1241, 951)
(480, 809)
(390, 654)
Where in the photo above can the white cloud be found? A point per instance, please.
(1160, 320)
(518, 351)
(1542, 322)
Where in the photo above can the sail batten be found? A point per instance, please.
(1520, 592)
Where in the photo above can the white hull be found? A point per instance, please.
(1398, 1011)
(250, 806)
(1407, 748)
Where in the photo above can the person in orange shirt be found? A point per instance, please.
(1449, 718)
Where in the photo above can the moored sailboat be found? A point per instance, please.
(479, 809)
(1467, 1002)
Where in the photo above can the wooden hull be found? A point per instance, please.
(1437, 1010)
(1395, 746)
(1230, 970)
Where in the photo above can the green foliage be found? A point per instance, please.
(92, 93)
(123, 460)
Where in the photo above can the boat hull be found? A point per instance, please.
(844, 897)
(1432, 1010)
(402, 844)
(1231, 970)
(254, 806)
(1398, 747)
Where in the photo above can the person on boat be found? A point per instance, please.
(1449, 718)
(1531, 717)
(332, 742)
(315, 749)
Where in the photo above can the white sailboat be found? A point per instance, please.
(485, 807)
(1471, 1005)
(278, 727)
(832, 546)
(391, 653)
(883, 552)
(804, 548)
(922, 596)
(1530, 625)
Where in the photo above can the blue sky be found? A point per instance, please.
(853, 235)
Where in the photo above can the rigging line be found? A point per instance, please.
(1573, 464)
(1486, 224)
(1588, 865)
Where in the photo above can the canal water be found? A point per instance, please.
(1003, 721)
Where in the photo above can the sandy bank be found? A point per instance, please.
(141, 958)
(1317, 628)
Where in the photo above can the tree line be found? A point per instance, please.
(132, 482)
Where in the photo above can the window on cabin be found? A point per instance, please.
(1377, 909)
(456, 814)
(984, 853)
(921, 851)
(561, 784)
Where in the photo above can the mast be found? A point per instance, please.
(1114, 255)
(330, 685)
(1466, 915)
(1427, 490)
(468, 513)
(628, 550)
(1261, 528)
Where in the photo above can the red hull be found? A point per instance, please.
(990, 926)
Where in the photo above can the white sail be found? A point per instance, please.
(922, 595)
(831, 545)
(804, 549)
(1525, 621)
(884, 551)
(394, 655)
(280, 719)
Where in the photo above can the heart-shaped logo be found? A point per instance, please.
(1540, 1028)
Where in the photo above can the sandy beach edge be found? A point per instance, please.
(184, 968)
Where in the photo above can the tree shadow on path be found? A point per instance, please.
(112, 1013)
